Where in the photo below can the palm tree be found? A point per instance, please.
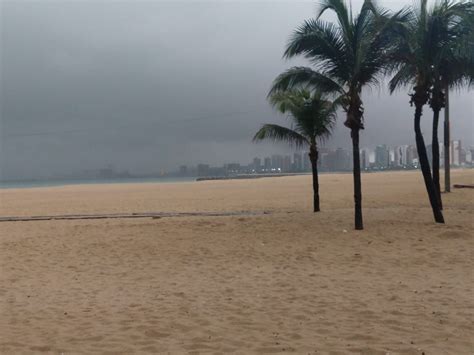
(453, 66)
(413, 61)
(313, 118)
(346, 57)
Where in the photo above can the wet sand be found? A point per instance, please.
(286, 281)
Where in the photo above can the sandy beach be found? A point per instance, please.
(286, 281)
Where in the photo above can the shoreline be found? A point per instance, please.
(13, 185)
(38, 184)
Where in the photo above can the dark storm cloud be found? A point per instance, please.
(150, 85)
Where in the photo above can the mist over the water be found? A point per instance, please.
(146, 86)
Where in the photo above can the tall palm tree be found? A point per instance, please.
(312, 117)
(413, 61)
(453, 66)
(346, 57)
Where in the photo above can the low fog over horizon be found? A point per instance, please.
(146, 86)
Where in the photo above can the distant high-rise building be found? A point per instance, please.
(323, 161)
(382, 156)
(456, 152)
(297, 162)
(412, 156)
(462, 157)
(232, 168)
(364, 159)
(391, 157)
(257, 164)
(469, 155)
(471, 150)
(306, 162)
(277, 162)
(398, 156)
(342, 160)
(404, 157)
(267, 163)
(286, 164)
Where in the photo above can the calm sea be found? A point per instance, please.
(48, 183)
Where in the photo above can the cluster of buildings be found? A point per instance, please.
(406, 156)
(335, 160)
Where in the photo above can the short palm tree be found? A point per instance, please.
(312, 117)
(453, 66)
(346, 57)
(416, 46)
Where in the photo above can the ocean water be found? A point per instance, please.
(50, 183)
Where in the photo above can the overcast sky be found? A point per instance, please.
(150, 85)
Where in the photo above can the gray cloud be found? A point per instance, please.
(151, 85)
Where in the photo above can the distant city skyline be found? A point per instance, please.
(383, 157)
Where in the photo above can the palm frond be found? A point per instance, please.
(323, 44)
(435, 48)
(311, 114)
(307, 78)
(289, 101)
(278, 133)
(403, 77)
(455, 59)
(343, 14)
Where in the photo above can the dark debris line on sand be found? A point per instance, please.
(462, 186)
(129, 215)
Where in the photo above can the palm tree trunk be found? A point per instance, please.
(359, 225)
(447, 162)
(435, 151)
(425, 166)
(313, 157)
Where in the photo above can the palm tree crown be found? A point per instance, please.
(454, 62)
(434, 46)
(346, 57)
(312, 118)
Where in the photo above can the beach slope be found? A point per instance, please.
(285, 281)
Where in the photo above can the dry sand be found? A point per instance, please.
(289, 281)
